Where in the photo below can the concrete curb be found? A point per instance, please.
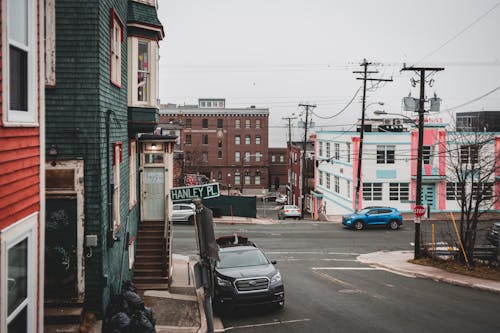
(379, 259)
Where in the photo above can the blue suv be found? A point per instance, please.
(374, 216)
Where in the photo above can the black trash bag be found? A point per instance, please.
(128, 286)
(134, 301)
(148, 312)
(141, 324)
(120, 322)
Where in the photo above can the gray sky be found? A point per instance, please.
(278, 53)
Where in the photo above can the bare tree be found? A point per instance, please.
(472, 168)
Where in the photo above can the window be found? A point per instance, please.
(237, 180)
(273, 158)
(219, 154)
(247, 178)
(453, 191)
(257, 139)
(482, 191)
(247, 123)
(237, 123)
(328, 150)
(204, 156)
(372, 191)
(320, 176)
(348, 149)
(258, 156)
(257, 178)
(426, 154)
(116, 48)
(337, 151)
(219, 123)
(117, 158)
(348, 188)
(282, 158)
(328, 181)
(219, 176)
(248, 139)
(321, 149)
(237, 139)
(204, 123)
(385, 154)
(188, 158)
(205, 139)
(236, 156)
(257, 123)
(132, 176)
(143, 71)
(188, 123)
(188, 139)
(219, 144)
(20, 71)
(336, 184)
(399, 191)
(247, 156)
(19, 260)
(469, 154)
(203, 104)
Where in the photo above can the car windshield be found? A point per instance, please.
(364, 211)
(241, 258)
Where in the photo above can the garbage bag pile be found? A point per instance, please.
(127, 313)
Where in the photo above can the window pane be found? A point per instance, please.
(18, 21)
(17, 272)
(20, 323)
(18, 79)
(142, 72)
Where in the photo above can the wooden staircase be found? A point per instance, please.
(152, 256)
(62, 317)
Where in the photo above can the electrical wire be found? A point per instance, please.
(343, 109)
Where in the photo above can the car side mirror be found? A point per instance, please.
(274, 262)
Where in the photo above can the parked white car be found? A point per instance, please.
(281, 199)
(184, 212)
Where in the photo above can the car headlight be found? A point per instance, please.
(223, 283)
(276, 278)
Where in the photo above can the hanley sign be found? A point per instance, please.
(184, 193)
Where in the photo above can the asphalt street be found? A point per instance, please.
(328, 290)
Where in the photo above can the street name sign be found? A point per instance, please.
(419, 210)
(184, 193)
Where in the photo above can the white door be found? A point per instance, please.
(154, 194)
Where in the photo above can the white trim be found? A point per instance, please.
(25, 228)
(133, 53)
(132, 165)
(13, 118)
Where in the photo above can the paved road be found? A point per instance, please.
(327, 290)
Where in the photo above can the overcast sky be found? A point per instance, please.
(279, 53)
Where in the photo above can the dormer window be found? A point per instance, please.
(116, 39)
(143, 72)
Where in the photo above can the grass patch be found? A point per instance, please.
(479, 270)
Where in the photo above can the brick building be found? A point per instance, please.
(228, 145)
(278, 169)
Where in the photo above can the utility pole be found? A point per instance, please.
(421, 111)
(365, 78)
(290, 193)
(304, 146)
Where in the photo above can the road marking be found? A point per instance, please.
(268, 324)
(348, 287)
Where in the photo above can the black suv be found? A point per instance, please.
(245, 276)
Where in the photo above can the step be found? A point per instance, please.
(151, 286)
(144, 246)
(149, 272)
(150, 252)
(140, 264)
(147, 279)
(61, 328)
(150, 232)
(148, 258)
(62, 315)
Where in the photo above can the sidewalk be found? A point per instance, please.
(243, 220)
(397, 261)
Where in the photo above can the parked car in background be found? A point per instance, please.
(289, 211)
(184, 212)
(374, 216)
(492, 235)
(244, 276)
(270, 196)
(281, 199)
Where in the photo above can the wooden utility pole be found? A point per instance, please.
(304, 147)
(421, 111)
(365, 78)
(290, 192)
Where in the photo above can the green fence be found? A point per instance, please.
(232, 206)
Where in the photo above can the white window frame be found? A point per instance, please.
(116, 40)
(257, 178)
(132, 174)
(282, 158)
(336, 184)
(117, 153)
(18, 118)
(237, 139)
(248, 139)
(257, 123)
(237, 156)
(237, 123)
(257, 139)
(258, 156)
(248, 123)
(11, 236)
(133, 54)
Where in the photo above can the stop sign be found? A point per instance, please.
(419, 210)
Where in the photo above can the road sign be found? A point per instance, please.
(189, 192)
(419, 210)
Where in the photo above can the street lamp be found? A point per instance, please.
(360, 152)
(228, 184)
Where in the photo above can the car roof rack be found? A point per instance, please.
(233, 240)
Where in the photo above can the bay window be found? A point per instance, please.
(143, 72)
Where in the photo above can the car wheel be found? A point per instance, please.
(191, 220)
(393, 224)
(359, 225)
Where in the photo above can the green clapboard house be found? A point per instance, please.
(101, 93)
